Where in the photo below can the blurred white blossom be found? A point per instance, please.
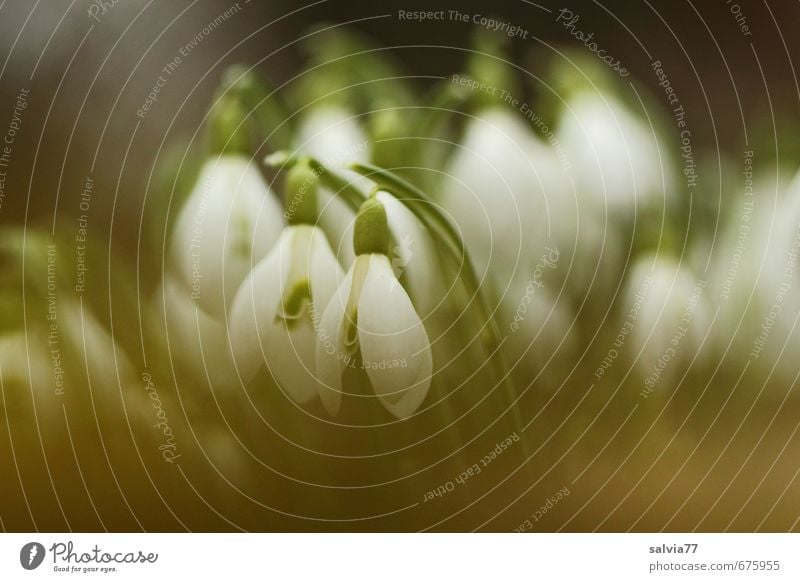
(229, 222)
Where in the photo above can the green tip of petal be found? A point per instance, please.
(351, 331)
(293, 304)
(371, 233)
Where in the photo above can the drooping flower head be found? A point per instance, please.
(230, 220)
(275, 313)
(372, 321)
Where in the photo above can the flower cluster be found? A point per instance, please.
(366, 241)
(543, 221)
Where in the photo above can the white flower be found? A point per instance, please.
(618, 162)
(276, 310)
(672, 316)
(757, 279)
(512, 197)
(413, 253)
(333, 136)
(229, 222)
(493, 192)
(370, 312)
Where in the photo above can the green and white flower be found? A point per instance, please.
(619, 163)
(276, 310)
(332, 134)
(372, 320)
(230, 220)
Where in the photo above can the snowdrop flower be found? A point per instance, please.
(371, 320)
(511, 196)
(494, 193)
(672, 316)
(276, 310)
(229, 222)
(617, 159)
(332, 135)
(757, 281)
(412, 252)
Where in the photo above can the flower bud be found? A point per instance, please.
(371, 234)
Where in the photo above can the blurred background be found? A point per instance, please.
(714, 451)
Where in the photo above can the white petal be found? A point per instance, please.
(495, 192)
(229, 223)
(259, 335)
(395, 348)
(256, 305)
(291, 352)
(325, 273)
(330, 354)
(414, 254)
(336, 218)
(291, 357)
(616, 157)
